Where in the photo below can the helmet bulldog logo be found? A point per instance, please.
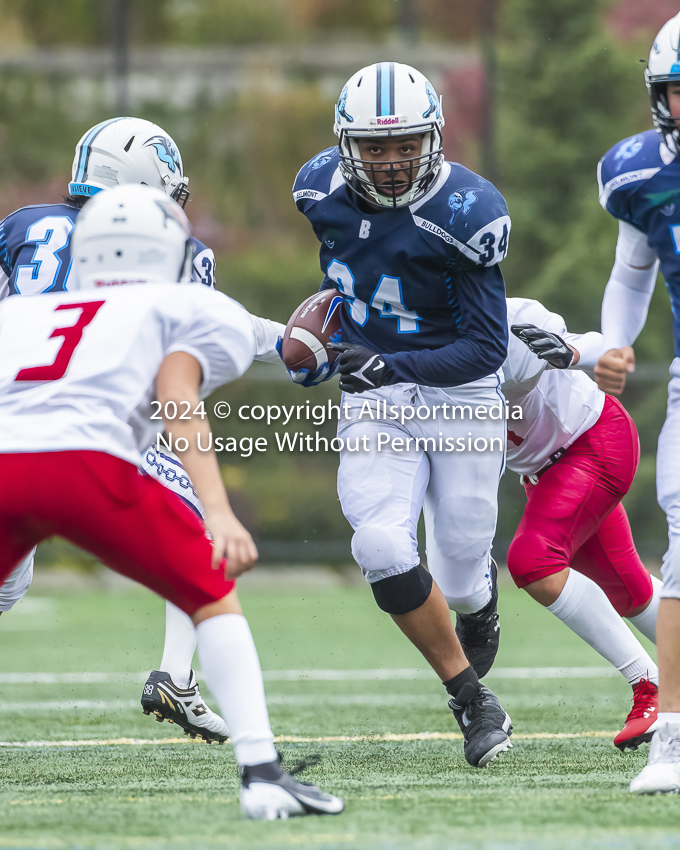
(434, 101)
(342, 103)
(167, 152)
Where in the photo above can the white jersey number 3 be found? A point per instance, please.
(50, 234)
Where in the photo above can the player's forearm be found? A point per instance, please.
(267, 333)
(629, 290)
(590, 347)
(624, 313)
(462, 362)
(201, 465)
(177, 383)
(483, 345)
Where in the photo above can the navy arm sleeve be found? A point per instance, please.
(483, 345)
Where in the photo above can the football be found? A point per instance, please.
(314, 324)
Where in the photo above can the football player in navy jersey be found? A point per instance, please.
(413, 244)
(35, 257)
(640, 186)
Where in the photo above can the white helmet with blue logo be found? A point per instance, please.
(131, 234)
(127, 150)
(663, 67)
(389, 99)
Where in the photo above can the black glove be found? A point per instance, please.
(360, 368)
(545, 345)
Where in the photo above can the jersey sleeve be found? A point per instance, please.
(203, 268)
(219, 333)
(482, 347)
(317, 179)
(467, 219)
(267, 333)
(490, 229)
(629, 289)
(622, 172)
(522, 366)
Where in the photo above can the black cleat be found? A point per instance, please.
(485, 725)
(480, 634)
(183, 706)
(269, 793)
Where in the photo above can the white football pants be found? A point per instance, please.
(382, 491)
(668, 484)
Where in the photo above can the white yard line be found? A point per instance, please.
(299, 739)
(380, 674)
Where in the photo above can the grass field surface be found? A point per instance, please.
(342, 682)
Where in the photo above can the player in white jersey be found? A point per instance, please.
(78, 372)
(638, 181)
(577, 451)
(35, 258)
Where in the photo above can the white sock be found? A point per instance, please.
(180, 645)
(645, 623)
(232, 672)
(585, 609)
(672, 717)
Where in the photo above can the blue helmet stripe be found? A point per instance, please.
(384, 87)
(378, 86)
(85, 148)
(392, 106)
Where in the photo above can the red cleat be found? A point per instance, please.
(642, 720)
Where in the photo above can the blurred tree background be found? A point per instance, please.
(247, 88)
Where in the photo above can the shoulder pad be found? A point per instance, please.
(624, 168)
(469, 214)
(317, 178)
(27, 215)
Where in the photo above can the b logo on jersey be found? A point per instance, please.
(166, 151)
(460, 202)
(434, 101)
(627, 151)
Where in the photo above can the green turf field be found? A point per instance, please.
(548, 792)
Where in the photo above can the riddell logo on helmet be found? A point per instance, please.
(389, 120)
(98, 283)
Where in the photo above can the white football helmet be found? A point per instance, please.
(663, 67)
(389, 99)
(127, 150)
(131, 234)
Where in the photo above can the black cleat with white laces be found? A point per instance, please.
(480, 634)
(270, 793)
(485, 725)
(183, 706)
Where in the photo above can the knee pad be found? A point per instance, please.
(376, 548)
(404, 592)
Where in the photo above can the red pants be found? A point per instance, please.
(574, 516)
(104, 505)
